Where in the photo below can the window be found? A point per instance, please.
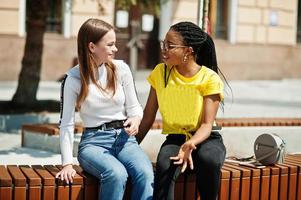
(218, 18)
(54, 18)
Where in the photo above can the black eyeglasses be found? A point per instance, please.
(166, 46)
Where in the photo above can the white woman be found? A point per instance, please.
(102, 89)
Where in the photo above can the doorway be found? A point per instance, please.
(138, 31)
(218, 18)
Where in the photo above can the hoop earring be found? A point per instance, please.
(185, 58)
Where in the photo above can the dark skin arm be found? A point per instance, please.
(149, 115)
(210, 108)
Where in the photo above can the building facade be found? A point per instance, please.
(248, 34)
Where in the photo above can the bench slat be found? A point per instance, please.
(48, 182)
(41, 128)
(50, 128)
(34, 182)
(20, 193)
(179, 189)
(18, 177)
(283, 182)
(274, 182)
(91, 184)
(224, 185)
(245, 180)
(298, 164)
(32, 177)
(230, 122)
(77, 179)
(6, 193)
(5, 178)
(234, 182)
(76, 191)
(19, 180)
(62, 189)
(264, 183)
(47, 178)
(190, 189)
(292, 176)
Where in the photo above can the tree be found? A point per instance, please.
(24, 99)
(29, 76)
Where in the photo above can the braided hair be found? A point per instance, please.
(201, 43)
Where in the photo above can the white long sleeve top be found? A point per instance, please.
(98, 107)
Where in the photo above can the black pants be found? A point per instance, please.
(208, 159)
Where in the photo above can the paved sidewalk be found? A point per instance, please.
(11, 152)
(276, 98)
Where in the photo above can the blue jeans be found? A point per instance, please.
(112, 156)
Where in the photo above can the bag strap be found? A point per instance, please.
(166, 76)
(269, 154)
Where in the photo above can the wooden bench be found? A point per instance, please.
(281, 181)
(52, 128)
(237, 182)
(46, 136)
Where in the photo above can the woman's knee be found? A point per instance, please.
(163, 164)
(211, 161)
(144, 176)
(163, 159)
(142, 169)
(211, 154)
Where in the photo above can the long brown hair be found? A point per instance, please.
(92, 31)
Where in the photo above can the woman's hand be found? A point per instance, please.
(184, 156)
(131, 125)
(67, 174)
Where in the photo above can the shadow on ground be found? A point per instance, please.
(9, 107)
(27, 151)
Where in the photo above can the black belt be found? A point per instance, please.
(108, 126)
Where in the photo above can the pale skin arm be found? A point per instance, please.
(149, 115)
(210, 108)
(67, 173)
(131, 125)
